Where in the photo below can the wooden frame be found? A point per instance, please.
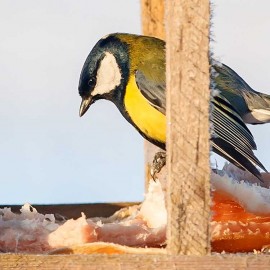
(188, 189)
(129, 262)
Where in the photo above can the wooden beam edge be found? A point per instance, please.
(131, 261)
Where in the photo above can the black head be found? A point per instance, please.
(105, 72)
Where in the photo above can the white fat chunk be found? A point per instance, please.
(252, 197)
(153, 208)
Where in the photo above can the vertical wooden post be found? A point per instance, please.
(152, 12)
(153, 18)
(188, 190)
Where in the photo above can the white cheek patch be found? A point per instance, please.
(108, 75)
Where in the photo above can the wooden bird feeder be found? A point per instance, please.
(188, 171)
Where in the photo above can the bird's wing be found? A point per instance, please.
(152, 90)
(231, 138)
(234, 88)
(228, 79)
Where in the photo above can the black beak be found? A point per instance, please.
(86, 102)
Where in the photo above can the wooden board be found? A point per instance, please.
(188, 150)
(125, 262)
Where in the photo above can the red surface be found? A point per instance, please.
(234, 229)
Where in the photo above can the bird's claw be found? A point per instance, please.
(159, 162)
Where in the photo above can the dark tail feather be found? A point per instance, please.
(225, 150)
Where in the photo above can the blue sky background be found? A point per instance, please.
(48, 153)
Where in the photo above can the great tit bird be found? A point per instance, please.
(129, 70)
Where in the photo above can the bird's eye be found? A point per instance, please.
(92, 82)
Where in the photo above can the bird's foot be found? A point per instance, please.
(159, 162)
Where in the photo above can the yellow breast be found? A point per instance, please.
(149, 120)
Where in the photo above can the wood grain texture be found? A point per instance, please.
(152, 14)
(130, 261)
(188, 191)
